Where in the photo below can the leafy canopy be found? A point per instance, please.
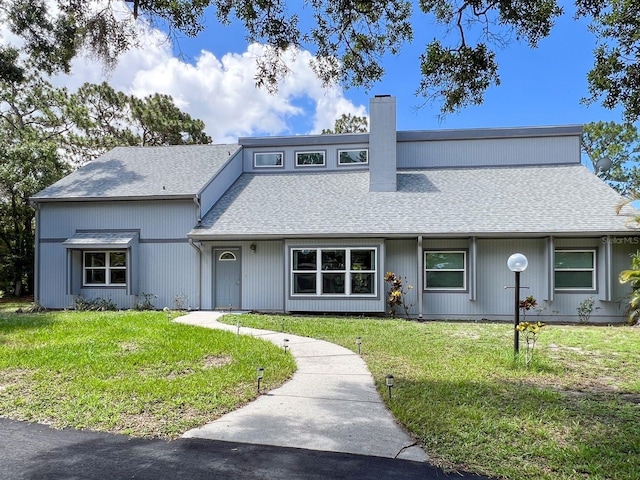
(348, 123)
(350, 38)
(620, 143)
(46, 131)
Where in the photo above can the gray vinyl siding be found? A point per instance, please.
(163, 263)
(495, 302)
(404, 260)
(262, 274)
(221, 183)
(336, 304)
(158, 219)
(331, 158)
(452, 153)
(489, 152)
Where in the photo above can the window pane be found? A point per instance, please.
(573, 259)
(118, 276)
(98, 276)
(268, 159)
(362, 283)
(445, 279)
(304, 259)
(353, 156)
(118, 259)
(333, 283)
(310, 158)
(94, 259)
(574, 279)
(363, 259)
(304, 283)
(445, 260)
(333, 259)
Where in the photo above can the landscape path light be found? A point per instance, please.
(285, 344)
(390, 382)
(359, 343)
(517, 263)
(259, 376)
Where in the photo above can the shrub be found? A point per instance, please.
(94, 305)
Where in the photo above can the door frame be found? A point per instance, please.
(216, 252)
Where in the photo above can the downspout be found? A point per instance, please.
(608, 255)
(36, 258)
(196, 200)
(420, 277)
(473, 278)
(198, 249)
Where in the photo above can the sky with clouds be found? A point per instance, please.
(212, 78)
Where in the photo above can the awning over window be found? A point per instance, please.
(101, 240)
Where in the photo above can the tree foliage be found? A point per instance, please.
(34, 117)
(350, 38)
(45, 131)
(348, 123)
(112, 118)
(620, 143)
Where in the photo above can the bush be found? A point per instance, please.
(94, 305)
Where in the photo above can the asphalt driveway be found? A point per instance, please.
(34, 451)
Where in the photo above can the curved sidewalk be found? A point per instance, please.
(330, 403)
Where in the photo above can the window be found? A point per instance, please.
(309, 159)
(349, 157)
(445, 270)
(105, 268)
(575, 270)
(334, 271)
(227, 257)
(268, 159)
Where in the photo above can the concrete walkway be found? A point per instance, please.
(330, 404)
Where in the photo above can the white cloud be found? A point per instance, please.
(222, 91)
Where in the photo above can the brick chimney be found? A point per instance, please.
(382, 144)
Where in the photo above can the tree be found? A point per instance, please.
(348, 123)
(33, 118)
(350, 38)
(620, 143)
(45, 132)
(113, 119)
(632, 276)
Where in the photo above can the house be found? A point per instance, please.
(313, 223)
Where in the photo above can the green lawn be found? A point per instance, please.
(574, 413)
(128, 372)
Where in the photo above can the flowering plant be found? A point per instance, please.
(530, 331)
(397, 294)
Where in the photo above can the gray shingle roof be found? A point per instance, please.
(126, 172)
(484, 201)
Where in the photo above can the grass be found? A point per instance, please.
(573, 414)
(128, 372)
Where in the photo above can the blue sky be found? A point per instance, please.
(540, 86)
(212, 78)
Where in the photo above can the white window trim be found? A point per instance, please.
(107, 268)
(346, 271)
(233, 255)
(463, 270)
(353, 150)
(255, 155)
(304, 165)
(594, 285)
